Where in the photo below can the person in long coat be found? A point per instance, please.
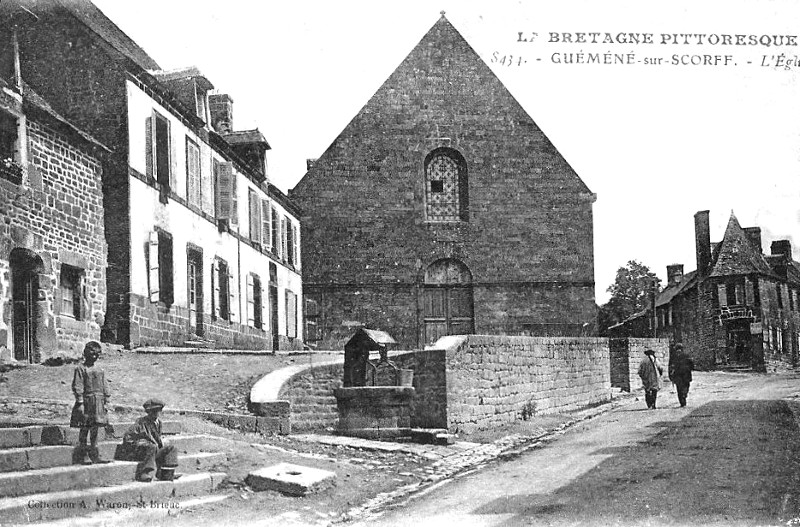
(680, 373)
(89, 412)
(650, 372)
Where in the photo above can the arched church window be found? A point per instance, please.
(446, 186)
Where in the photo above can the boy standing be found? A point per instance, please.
(89, 413)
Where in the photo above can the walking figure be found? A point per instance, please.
(680, 373)
(650, 372)
(89, 413)
(142, 442)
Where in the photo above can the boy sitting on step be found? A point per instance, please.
(142, 442)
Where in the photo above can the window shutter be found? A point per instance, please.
(152, 266)
(296, 248)
(148, 147)
(214, 290)
(224, 191)
(255, 216)
(192, 173)
(234, 220)
(231, 296)
(173, 162)
(82, 299)
(251, 313)
(276, 240)
(283, 237)
(264, 310)
(266, 225)
(291, 314)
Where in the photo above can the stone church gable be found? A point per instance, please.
(446, 91)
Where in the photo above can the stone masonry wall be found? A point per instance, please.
(57, 214)
(494, 380)
(476, 383)
(314, 406)
(527, 240)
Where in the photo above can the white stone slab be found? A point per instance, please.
(294, 480)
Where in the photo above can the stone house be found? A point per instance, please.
(740, 306)
(442, 208)
(52, 243)
(202, 248)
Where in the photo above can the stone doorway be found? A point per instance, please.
(447, 300)
(25, 269)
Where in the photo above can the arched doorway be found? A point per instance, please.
(25, 269)
(447, 304)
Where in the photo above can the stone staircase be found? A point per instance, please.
(40, 482)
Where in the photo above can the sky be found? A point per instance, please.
(655, 142)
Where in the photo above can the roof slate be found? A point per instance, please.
(737, 255)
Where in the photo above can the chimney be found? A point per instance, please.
(754, 235)
(702, 240)
(221, 107)
(783, 247)
(674, 274)
(310, 163)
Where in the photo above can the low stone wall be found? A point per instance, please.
(477, 382)
(310, 394)
(496, 380)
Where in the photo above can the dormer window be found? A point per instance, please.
(201, 102)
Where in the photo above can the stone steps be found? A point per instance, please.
(56, 505)
(37, 457)
(60, 434)
(39, 480)
(66, 477)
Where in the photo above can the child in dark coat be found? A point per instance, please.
(143, 443)
(89, 412)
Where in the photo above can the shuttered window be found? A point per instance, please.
(193, 183)
(266, 225)
(227, 201)
(276, 231)
(291, 314)
(254, 211)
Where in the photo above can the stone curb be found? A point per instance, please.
(468, 461)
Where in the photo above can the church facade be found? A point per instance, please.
(442, 208)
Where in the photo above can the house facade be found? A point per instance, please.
(52, 242)
(202, 249)
(740, 307)
(442, 208)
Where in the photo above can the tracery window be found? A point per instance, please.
(446, 186)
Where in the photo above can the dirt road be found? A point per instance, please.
(732, 457)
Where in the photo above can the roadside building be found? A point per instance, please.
(52, 243)
(442, 208)
(740, 307)
(202, 249)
